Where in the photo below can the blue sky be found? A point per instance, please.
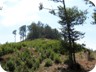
(16, 13)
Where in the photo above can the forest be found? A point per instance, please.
(46, 49)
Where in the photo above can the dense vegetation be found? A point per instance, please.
(40, 30)
(27, 56)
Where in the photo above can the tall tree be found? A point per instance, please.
(56, 34)
(74, 17)
(69, 18)
(14, 32)
(48, 32)
(22, 32)
(33, 31)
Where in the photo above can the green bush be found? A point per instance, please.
(40, 59)
(29, 63)
(57, 59)
(48, 52)
(17, 62)
(52, 54)
(43, 55)
(11, 66)
(48, 63)
(36, 64)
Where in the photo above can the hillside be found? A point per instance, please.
(43, 55)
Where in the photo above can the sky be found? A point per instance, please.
(16, 13)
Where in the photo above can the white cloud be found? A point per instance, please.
(24, 10)
(1, 2)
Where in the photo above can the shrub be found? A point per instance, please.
(43, 55)
(48, 63)
(57, 59)
(36, 64)
(11, 66)
(48, 52)
(29, 63)
(40, 59)
(18, 62)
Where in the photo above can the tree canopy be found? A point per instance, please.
(40, 30)
(22, 32)
(14, 32)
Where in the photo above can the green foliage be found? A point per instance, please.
(48, 63)
(9, 48)
(29, 63)
(69, 18)
(57, 59)
(22, 32)
(36, 64)
(10, 65)
(15, 32)
(40, 30)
